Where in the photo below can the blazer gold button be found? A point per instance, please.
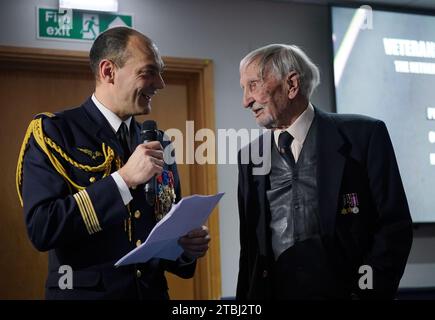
(138, 243)
(138, 273)
(92, 179)
(137, 214)
(264, 273)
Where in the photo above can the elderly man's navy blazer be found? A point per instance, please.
(354, 156)
(90, 228)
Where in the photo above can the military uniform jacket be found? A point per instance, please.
(363, 211)
(74, 210)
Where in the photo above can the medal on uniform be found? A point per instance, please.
(165, 194)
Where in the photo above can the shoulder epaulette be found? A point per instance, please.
(44, 115)
(48, 146)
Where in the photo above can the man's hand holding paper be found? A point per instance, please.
(180, 233)
(195, 243)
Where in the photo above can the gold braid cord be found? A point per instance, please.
(47, 145)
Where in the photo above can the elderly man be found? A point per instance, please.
(330, 219)
(81, 178)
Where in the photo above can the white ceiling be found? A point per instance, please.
(419, 4)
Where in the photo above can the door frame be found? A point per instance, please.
(198, 74)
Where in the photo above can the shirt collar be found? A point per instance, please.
(299, 128)
(112, 118)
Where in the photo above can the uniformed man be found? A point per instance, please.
(83, 192)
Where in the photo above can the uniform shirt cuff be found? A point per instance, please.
(184, 260)
(122, 187)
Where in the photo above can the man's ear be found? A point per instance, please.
(106, 70)
(293, 84)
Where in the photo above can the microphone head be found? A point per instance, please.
(149, 125)
(149, 131)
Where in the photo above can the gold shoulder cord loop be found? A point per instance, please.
(44, 142)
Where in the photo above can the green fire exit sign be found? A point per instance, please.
(77, 25)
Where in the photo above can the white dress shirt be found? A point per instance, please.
(298, 130)
(115, 123)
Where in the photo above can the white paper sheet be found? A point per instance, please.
(188, 214)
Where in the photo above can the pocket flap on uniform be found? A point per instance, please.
(80, 279)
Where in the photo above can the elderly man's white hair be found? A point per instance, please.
(280, 60)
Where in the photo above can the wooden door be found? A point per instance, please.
(34, 81)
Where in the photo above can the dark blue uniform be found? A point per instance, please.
(74, 210)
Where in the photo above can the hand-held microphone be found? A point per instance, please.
(149, 133)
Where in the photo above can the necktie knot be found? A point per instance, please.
(284, 142)
(124, 139)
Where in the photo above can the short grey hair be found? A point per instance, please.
(281, 59)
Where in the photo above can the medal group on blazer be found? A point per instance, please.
(350, 203)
